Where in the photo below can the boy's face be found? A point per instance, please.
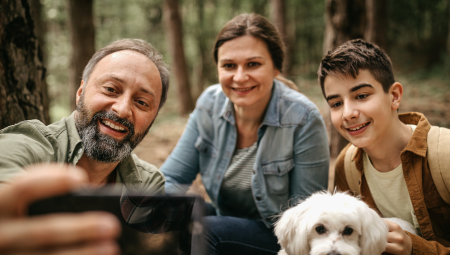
(360, 110)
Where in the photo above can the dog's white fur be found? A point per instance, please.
(297, 234)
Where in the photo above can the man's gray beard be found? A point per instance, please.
(102, 147)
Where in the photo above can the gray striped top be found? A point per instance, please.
(236, 191)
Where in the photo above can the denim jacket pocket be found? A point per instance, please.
(207, 153)
(276, 175)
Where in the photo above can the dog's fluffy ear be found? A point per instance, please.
(374, 232)
(292, 229)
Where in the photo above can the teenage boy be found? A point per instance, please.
(391, 149)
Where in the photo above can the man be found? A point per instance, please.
(123, 87)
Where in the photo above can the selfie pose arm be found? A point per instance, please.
(21, 145)
(83, 233)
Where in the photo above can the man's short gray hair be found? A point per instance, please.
(136, 45)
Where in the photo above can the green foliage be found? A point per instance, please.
(58, 53)
(418, 32)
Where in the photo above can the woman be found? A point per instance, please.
(256, 143)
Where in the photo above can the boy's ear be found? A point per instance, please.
(396, 93)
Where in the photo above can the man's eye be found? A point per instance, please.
(141, 102)
(109, 89)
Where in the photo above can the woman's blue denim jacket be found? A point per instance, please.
(292, 159)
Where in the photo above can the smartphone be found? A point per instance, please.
(150, 224)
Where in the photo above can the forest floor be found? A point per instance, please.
(429, 95)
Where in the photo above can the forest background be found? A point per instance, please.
(415, 33)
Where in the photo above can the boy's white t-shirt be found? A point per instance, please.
(389, 191)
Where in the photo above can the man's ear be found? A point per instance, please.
(79, 91)
(396, 93)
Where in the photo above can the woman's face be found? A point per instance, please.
(246, 71)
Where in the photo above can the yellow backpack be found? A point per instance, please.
(438, 154)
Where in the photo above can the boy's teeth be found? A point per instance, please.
(356, 128)
(111, 125)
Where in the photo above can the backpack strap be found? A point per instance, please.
(351, 172)
(438, 154)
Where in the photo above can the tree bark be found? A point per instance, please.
(175, 39)
(376, 22)
(21, 68)
(200, 67)
(279, 19)
(448, 31)
(278, 16)
(345, 20)
(82, 33)
(40, 29)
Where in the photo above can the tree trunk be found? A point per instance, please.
(345, 20)
(200, 66)
(279, 19)
(21, 68)
(278, 16)
(376, 23)
(448, 31)
(40, 29)
(82, 34)
(175, 40)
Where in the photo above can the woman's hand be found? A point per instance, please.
(64, 233)
(399, 242)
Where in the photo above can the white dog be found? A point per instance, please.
(333, 224)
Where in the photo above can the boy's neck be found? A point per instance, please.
(385, 153)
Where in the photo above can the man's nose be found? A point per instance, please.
(122, 107)
(241, 75)
(350, 112)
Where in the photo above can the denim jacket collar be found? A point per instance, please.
(272, 115)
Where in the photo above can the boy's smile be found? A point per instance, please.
(360, 109)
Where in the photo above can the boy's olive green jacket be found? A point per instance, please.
(432, 213)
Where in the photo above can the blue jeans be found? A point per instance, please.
(236, 236)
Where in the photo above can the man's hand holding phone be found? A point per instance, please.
(62, 233)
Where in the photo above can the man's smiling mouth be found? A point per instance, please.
(359, 127)
(112, 125)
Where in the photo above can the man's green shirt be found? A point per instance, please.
(31, 142)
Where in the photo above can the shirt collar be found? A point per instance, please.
(76, 148)
(128, 173)
(272, 116)
(227, 111)
(418, 142)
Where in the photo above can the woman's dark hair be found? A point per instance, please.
(255, 25)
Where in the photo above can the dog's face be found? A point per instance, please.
(326, 224)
